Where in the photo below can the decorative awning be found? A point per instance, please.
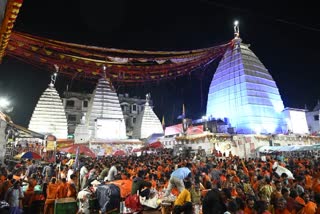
(8, 15)
(118, 65)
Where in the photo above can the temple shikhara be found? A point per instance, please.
(243, 91)
(49, 117)
(105, 118)
(147, 123)
(244, 110)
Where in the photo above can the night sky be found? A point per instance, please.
(285, 37)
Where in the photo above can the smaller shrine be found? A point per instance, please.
(49, 117)
(147, 123)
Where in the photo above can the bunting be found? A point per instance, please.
(118, 65)
(9, 13)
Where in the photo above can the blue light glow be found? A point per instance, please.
(243, 91)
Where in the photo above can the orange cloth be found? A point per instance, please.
(310, 208)
(52, 190)
(285, 211)
(29, 193)
(51, 196)
(72, 192)
(62, 190)
(248, 210)
(124, 185)
(308, 180)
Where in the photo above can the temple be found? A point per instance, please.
(49, 116)
(105, 119)
(147, 123)
(243, 92)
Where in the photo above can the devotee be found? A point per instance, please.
(6, 184)
(83, 173)
(14, 197)
(213, 203)
(139, 184)
(29, 193)
(177, 178)
(31, 169)
(261, 207)
(84, 200)
(276, 194)
(52, 190)
(249, 208)
(62, 191)
(113, 171)
(183, 202)
(281, 206)
(310, 207)
(72, 189)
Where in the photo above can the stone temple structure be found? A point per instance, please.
(147, 123)
(104, 119)
(243, 91)
(49, 116)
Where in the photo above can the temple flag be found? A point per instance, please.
(163, 123)
(183, 115)
(76, 162)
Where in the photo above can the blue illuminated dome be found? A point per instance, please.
(243, 91)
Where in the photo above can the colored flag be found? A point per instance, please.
(163, 123)
(76, 162)
(183, 115)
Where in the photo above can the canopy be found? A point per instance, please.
(292, 148)
(119, 153)
(28, 155)
(83, 150)
(9, 11)
(155, 145)
(117, 65)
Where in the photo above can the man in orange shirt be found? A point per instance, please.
(62, 191)
(310, 207)
(249, 209)
(281, 206)
(72, 189)
(51, 196)
(5, 186)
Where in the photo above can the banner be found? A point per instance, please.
(50, 145)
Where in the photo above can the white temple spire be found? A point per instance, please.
(147, 122)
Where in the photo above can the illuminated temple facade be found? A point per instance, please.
(243, 91)
(147, 123)
(49, 116)
(104, 118)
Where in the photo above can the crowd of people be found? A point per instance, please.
(198, 184)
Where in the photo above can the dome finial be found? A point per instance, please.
(54, 76)
(236, 29)
(148, 97)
